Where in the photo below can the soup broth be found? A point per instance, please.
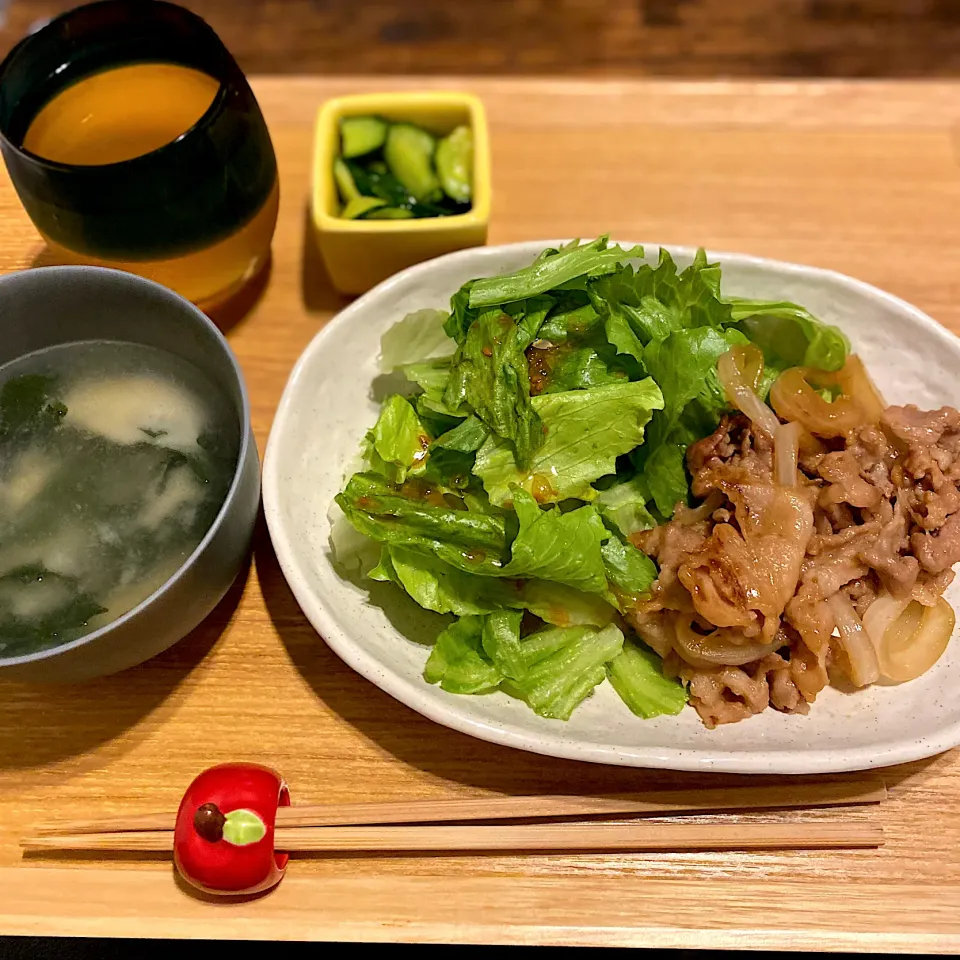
(115, 459)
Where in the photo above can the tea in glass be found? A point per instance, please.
(135, 142)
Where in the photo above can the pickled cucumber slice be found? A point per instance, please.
(346, 185)
(383, 185)
(455, 164)
(409, 155)
(389, 213)
(358, 206)
(362, 135)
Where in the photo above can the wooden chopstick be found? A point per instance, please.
(566, 836)
(653, 803)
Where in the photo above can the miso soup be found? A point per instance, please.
(115, 459)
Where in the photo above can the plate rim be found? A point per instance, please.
(779, 762)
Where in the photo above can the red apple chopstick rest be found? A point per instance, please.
(223, 841)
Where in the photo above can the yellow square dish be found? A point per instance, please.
(360, 253)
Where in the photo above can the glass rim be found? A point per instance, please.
(213, 111)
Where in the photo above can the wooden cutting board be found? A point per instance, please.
(862, 178)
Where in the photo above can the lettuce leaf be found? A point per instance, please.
(630, 571)
(458, 661)
(636, 673)
(625, 505)
(685, 366)
(551, 271)
(572, 319)
(583, 368)
(650, 303)
(501, 643)
(398, 442)
(467, 437)
(451, 456)
(563, 667)
(431, 376)
(586, 430)
(694, 296)
(556, 670)
(577, 354)
(561, 547)
(561, 605)
(438, 586)
(623, 337)
(353, 552)
(442, 588)
(665, 472)
(789, 335)
(417, 337)
(468, 540)
(490, 374)
(461, 316)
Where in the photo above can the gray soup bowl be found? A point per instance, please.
(48, 306)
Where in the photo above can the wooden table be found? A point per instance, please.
(861, 178)
(677, 38)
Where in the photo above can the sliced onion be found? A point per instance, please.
(688, 516)
(786, 445)
(717, 649)
(731, 369)
(794, 398)
(750, 363)
(880, 614)
(915, 641)
(855, 382)
(864, 667)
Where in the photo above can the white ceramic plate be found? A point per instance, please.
(327, 407)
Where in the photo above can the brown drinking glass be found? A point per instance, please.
(135, 142)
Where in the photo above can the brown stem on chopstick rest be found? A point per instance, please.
(636, 837)
(653, 803)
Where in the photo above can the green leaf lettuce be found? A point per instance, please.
(585, 431)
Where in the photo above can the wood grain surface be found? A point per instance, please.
(680, 38)
(862, 178)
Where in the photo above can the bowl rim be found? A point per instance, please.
(51, 275)
(801, 761)
(325, 146)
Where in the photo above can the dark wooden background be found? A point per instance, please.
(678, 38)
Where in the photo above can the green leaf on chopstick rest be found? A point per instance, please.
(243, 828)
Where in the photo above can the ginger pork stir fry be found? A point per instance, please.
(820, 552)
